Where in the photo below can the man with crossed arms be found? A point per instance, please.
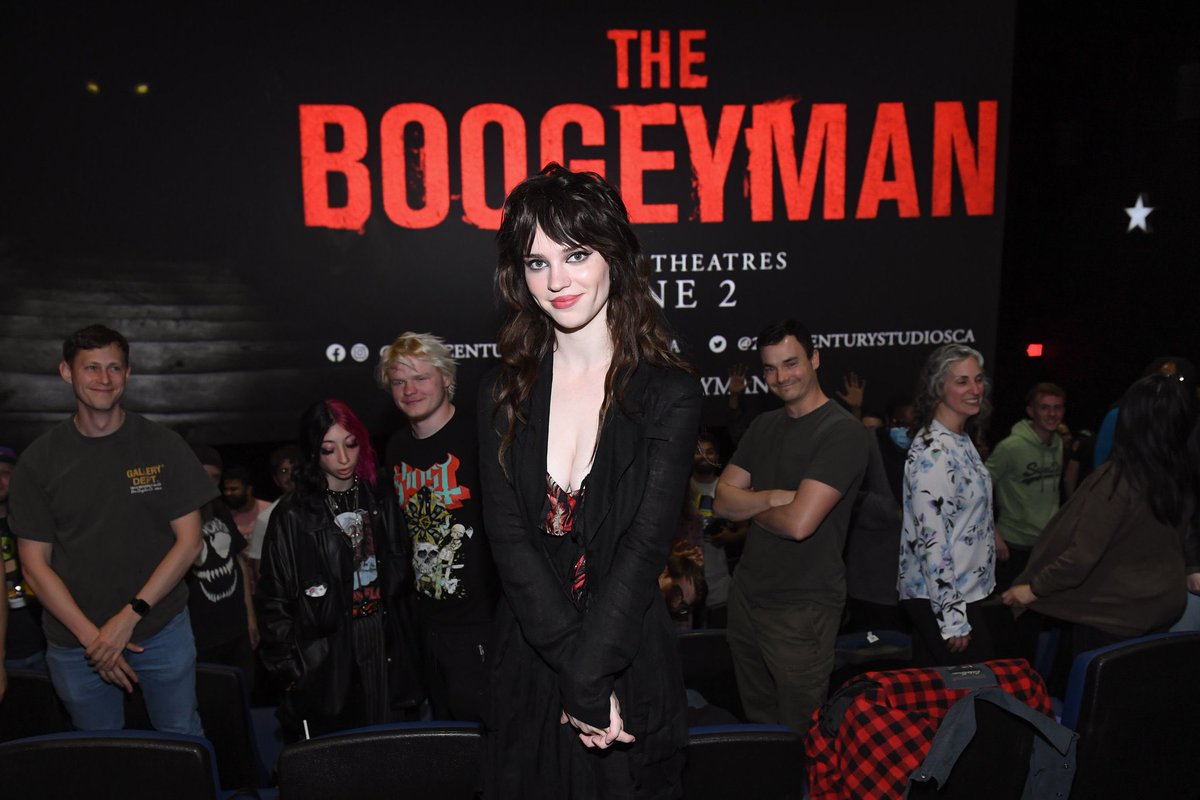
(794, 476)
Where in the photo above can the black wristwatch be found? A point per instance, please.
(140, 606)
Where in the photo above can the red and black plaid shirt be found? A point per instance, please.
(887, 729)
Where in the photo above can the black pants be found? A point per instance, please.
(1008, 570)
(456, 670)
(931, 650)
(368, 701)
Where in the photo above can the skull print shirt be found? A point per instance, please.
(437, 482)
(216, 594)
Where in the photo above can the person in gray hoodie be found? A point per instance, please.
(1026, 469)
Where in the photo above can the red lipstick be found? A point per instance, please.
(565, 302)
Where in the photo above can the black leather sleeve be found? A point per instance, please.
(276, 597)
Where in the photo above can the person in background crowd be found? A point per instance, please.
(22, 644)
(701, 527)
(948, 553)
(872, 602)
(1112, 561)
(739, 416)
(1083, 448)
(683, 588)
(1026, 469)
(432, 465)
(106, 507)
(586, 432)
(853, 390)
(795, 476)
(237, 486)
(334, 593)
(895, 437)
(285, 465)
(1166, 365)
(219, 600)
(1072, 466)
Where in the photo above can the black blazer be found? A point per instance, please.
(623, 641)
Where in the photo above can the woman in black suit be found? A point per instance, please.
(586, 432)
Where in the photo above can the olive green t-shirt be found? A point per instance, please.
(827, 445)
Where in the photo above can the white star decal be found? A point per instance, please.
(1137, 215)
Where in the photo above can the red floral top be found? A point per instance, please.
(563, 511)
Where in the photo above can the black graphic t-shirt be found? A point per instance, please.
(437, 482)
(216, 593)
(355, 524)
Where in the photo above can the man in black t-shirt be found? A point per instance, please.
(432, 464)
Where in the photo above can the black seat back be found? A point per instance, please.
(1138, 703)
(436, 759)
(708, 668)
(133, 765)
(31, 707)
(224, 705)
(765, 762)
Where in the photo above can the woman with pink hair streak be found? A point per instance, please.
(334, 602)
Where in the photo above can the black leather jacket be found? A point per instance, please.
(304, 599)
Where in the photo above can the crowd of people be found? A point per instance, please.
(527, 563)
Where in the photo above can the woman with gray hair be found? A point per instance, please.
(948, 549)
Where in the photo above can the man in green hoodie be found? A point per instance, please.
(1026, 471)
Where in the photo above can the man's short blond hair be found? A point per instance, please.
(410, 346)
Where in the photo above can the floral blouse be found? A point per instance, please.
(948, 552)
(563, 510)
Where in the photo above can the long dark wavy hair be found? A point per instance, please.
(931, 389)
(315, 422)
(573, 209)
(1151, 448)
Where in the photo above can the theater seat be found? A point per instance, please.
(31, 707)
(224, 705)
(1135, 706)
(764, 762)
(411, 759)
(131, 765)
(708, 668)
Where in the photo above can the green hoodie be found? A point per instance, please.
(1026, 475)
